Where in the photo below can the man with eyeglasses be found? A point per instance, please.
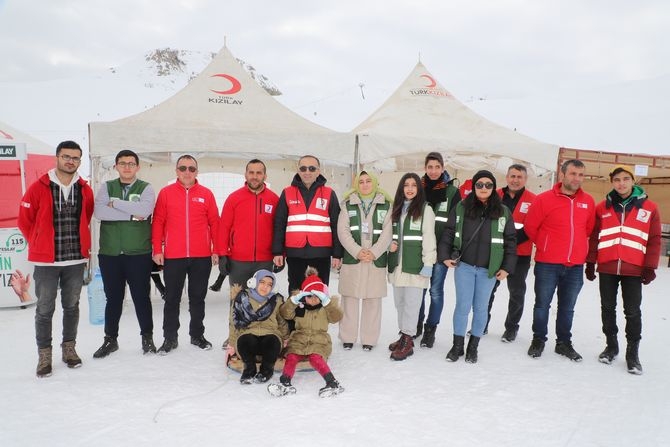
(184, 238)
(124, 206)
(518, 199)
(54, 217)
(305, 226)
(560, 223)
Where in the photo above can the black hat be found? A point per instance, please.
(484, 174)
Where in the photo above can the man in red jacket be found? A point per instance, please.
(246, 227)
(559, 223)
(626, 243)
(518, 199)
(184, 235)
(54, 218)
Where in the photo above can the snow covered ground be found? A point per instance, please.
(190, 398)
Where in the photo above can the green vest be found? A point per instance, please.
(441, 210)
(411, 246)
(497, 252)
(354, 211)
(130, 237)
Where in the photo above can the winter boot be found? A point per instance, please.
(405, 348)
(428, 339)
(419, 330)
(70, 356)
(109, 345)
(471, 353)
(169, 344)
(565, 348)
(148, 345)
(333, 387)
(632, 359)
(457, 349)
(393, 346)
(44, 362)
(217, 284)
(611, 350)
(536, 348)
(282, 388)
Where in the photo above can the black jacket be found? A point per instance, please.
(281, 218)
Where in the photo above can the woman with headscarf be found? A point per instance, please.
(480, 242)
(364, 230)
(259, 328)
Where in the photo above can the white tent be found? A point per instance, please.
(224, 118)
(422, 116)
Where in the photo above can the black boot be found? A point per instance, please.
(148, 346)
(471, 353)
(217, 284)
(428, 339)
(332, 387)
(419, 330)
(632, 360)
(109, 345)
(457, 349)
(611, 350)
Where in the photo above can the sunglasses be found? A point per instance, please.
(308, 168)
(480, 185)
(184, 168)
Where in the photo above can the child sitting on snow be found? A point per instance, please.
(312, 309)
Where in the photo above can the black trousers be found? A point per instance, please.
(516, 285)
(267, 346)
(116, 272)
(297, 267)
(175, 272)
(631, 293)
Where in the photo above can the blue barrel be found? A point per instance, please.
(96, 299)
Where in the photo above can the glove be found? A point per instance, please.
(325, 299)
(295, 299)
(590, 271)
(426, 270)
(223, 265)
(648, 275)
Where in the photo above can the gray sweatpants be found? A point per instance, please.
(407, 303)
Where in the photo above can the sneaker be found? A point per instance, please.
(282, 388)
(536, 348)
(148, 346)
(169, 344)
(108, 346)
(347, 346)
(70, 356)
(566, 349)
(367, 348)
(508, 336)
(332, 388)
(201, 342)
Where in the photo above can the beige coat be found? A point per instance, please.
(363, 280)
(429, 255)
(311, 331)
(274, 325)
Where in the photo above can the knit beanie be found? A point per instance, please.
(484, 174)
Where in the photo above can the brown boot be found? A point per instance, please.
(70, 356)
(393, 346)
(405, 348)
(44, 362)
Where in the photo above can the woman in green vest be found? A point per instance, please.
(411, 258)
(364, 230)
(480, 241)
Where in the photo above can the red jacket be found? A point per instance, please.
(36, 220)
(626, 241)
(185, 222)
(560, 226)
(519, 214)
(246, 225)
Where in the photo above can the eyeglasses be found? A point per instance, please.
(184, 168)
(480, 185)
(72, 159)
(130, 164)
(308, 168)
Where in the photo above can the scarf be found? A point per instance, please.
(244, 314)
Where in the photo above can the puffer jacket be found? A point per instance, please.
(273, 325)
(311, 330)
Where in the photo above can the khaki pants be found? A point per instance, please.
(366, 313)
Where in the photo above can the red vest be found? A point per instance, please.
(624, 237)
(519, 216)
(311, 225)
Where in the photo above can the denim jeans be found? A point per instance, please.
(631, 295)
(436, 295)
(47, 281)
(473, 290)
(568, 281)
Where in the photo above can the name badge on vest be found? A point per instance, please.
(415, 225)
(133, 197)
(365, 228)
(442, 206)
(501, 224)
(523, 207)
(643, 215)
(322, 203)
(381, 215)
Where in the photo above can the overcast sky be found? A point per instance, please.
(495, 49)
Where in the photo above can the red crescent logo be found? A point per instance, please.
(236, 86)
(431, 81)
(6, 135)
